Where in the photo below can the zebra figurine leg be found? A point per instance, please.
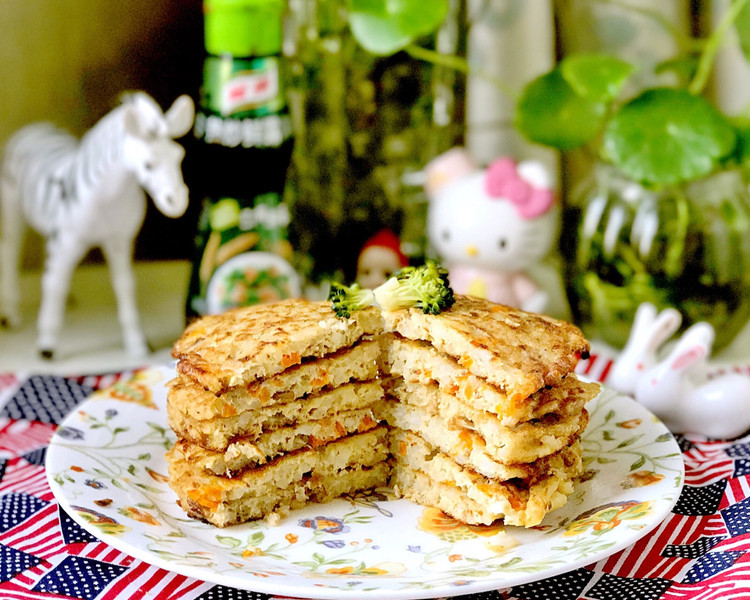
(11, 236)
(62, 258)
(118, 253)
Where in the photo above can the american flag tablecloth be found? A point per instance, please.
(699, 551)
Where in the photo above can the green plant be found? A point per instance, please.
(686, 159)
(662, 136)
(386, 26)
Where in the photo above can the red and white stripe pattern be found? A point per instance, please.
(141, 579)
(22, 476)
(145, 581)
(707, 461)
(731, 584)
(595, 367)
(39, 535)
(644, 559)
(16, 589)
(738, 489)
(20, 437)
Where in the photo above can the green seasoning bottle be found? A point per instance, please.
(242, 152)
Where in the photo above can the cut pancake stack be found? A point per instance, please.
(474, 411)
(485, 409)
(273, 408)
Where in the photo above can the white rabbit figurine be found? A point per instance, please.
(679, 392)
(490, 225)
(649, 332)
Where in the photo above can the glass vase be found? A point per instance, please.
(685, 246)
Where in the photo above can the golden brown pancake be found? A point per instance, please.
(217, 433)
(290, 481)
(358, 363)
(517, 351)
(245, 344)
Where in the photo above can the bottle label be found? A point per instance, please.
(243, 104)
(246, 255)
(249, 90)
(238, 87)
(253, 132)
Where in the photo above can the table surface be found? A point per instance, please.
(90, 340)
(700, 551)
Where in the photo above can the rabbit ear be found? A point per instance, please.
(699, 336)
(644, 317)
(666, 323)
(688, 357)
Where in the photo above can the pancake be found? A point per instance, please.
(517, 351)
(249, 343)
(515, 505)
(475, 411)
(526, 442)
(355, 462)
(428, 477)
(418, 361)
(461, 427)
(244, 452)
(404, 445)
(218, 433)
(358, 363)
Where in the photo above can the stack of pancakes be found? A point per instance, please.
(474, 411)
(485, 410)
(273, 408)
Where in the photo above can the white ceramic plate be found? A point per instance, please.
(106, 467)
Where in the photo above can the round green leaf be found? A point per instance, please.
(598, 77)
(550, 112)
(741, 154)
(384, 27)
(666, 136)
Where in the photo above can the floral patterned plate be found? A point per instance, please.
(107, 469)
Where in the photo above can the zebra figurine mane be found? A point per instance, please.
(85, 193)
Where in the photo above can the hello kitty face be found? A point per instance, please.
(502, 218)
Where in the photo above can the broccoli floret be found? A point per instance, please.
(425, 287)
(347, 298)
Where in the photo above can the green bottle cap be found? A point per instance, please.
(243, 28)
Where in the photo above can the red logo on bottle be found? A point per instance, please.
(249, 89)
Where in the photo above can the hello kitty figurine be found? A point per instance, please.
(490, 225)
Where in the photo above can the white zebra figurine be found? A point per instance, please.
(85, 193)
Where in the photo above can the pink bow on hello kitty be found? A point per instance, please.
(503, 181)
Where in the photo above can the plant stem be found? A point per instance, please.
(714, 42)
(459, 64)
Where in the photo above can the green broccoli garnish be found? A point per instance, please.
(425, 287)
(347, 298)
